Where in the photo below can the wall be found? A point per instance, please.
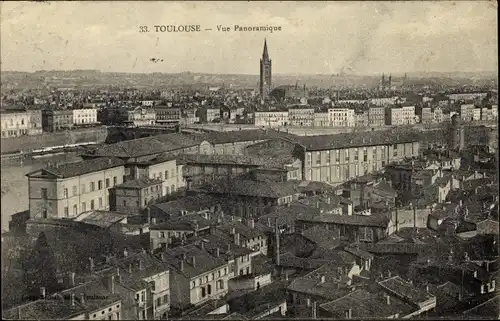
(28, 143)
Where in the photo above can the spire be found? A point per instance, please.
(265, 55)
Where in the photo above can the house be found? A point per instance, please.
(89, 301)
(351, 227)
(135, 195)
(204, 205)
(70, 189)
(196, 275)
(177, 229)
(251, 235)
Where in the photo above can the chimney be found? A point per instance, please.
(308, 302)
(202, 245)
(251, 223)
(19, 314)
(388, 274)
(162, 257)
(130, 268)
(42, 292)
(217, 252)
(72, 299)
(125, 252)
(388, 299)
(193, 261)
(153, 220)
(71, 279)
(184, 257)
(181, 267)
(277, 249)
(233, 231)
(314, 310)
(268, 222)
(111, 284)
(323, 279)
(149, 215)
(140, 265)
(286, 275)
(348, 314)
(91, 265)
(82, 298)
(466, 257)
(427, 288)
(237, 238)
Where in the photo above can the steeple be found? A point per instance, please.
(265, 55)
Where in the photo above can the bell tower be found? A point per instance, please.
(265, 73)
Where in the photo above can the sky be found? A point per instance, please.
(316, 37)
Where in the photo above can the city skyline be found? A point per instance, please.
(384, 37)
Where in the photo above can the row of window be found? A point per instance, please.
(92, 187)
(101, 204)
(206, 279)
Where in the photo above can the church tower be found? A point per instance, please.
(265, 73)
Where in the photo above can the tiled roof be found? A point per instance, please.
(356, 251)
(139, 183)
(149, 145)
(394, 248)
(188, 203)
(323, 237)
(267, 189)
(48, 309)
(243, 136)
(292, 261)
(326, 142)
(245, 231)
(227, 250)
(101, 218)
(81, 168)
(405, 290)
(364, 304)
(204, 261)
(183, 223)
(93, 289)
(358, 220)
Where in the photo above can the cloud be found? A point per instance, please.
(317, 37)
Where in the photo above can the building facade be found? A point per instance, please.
(466, 112)
(57, 119)
(376, 116)
(167, 115)
(85, 116)
(271, 118)
(397, 116)
(135, 195)
(301, 116)
(14, 124)
(71, 189)
(341, 117)
(138, 116)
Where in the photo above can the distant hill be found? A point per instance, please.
(163, 80)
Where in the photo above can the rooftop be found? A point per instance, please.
(360, 220)
(101, 218)
(139, 183)
(406, 290)
(78, 168)
(246, 187)
(348, 140)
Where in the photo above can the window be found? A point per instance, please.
(356, 154)
(337, 156)
(100, 202)
(91, 204)
(327, 157)
(218, 273)
(82, 188)
(193, 285)
(160, 176)
(75, 209)
(172, 188)
(308, 160)
(66, 211)
(203, 292)
(99, 184)
(44, 213)
(92, 186)
(365, 155)
(158, 302)
(145, 202)
(225, 271)
(165, 299)
(347, 156)
(44, 193)
(114, 180)
(318, 158)
(209, 289)
(84, 206)
(143, 296)
(220, 284)
(166, 174)
(162, 234)
(107, 182)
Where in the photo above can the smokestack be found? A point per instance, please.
(42, 292)
(82, 298)
(91, 264)
(111, 281)
(71, 279)
(277, 235)
(237, 238)
(314, 310)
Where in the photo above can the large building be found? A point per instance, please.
(301, 116)
(341, 117)
(57, 119)
(84, 116)
(335, 159)
(265, 73)
(274, 118)
(376, 116)
(68, 190)
(19, 123)
(167, 115)
(397, 116)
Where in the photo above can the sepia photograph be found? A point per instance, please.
(249, 160)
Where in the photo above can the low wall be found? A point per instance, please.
(28, 143)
